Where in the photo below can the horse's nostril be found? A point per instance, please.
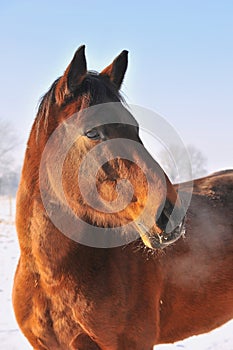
(134, 199)
(162, 221)
(168, 207)
(164, 217)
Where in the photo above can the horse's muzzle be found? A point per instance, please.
(170, 226)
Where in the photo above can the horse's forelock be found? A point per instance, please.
(95, 89)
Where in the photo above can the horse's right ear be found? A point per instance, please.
(116, 70)
(73, 76)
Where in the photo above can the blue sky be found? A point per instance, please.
(180, 61)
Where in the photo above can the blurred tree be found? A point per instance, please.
(9, 174)
(179, 169)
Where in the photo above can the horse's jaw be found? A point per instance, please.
(159, 240)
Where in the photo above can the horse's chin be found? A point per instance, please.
(161, 240)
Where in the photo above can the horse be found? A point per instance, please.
(153, 285)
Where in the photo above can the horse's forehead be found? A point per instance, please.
(107, 113)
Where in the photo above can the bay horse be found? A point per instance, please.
(68, 295)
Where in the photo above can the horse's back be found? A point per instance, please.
(219, 185)
(212, 202)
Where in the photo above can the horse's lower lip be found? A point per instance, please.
(166, 239)
(160, 241)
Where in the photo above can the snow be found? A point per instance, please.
(10, 336)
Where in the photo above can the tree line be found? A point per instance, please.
(9, 169)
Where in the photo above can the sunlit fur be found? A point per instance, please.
(70, 296)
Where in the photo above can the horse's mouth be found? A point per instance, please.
(160, 240)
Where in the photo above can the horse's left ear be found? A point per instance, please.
(73, 76)
(116, 70)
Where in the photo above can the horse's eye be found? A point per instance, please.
(92, 134)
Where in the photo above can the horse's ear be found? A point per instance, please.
(73, 76)
(77, 69)
(116, 70)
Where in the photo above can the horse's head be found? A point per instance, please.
(108, 178)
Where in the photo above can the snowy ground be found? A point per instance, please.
(10, 336)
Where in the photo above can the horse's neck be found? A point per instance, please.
(63, 259)
(55, 255)
(31, 219)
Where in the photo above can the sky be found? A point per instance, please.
(180, 61)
